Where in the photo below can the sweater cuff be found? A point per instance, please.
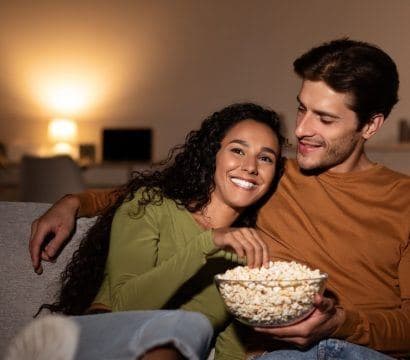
(348, 326)
(87, 208)
(95, 202)
(208, 247)
(211, 251)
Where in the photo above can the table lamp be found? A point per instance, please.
(63, 135)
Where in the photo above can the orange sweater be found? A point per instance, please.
(355, 227)
(94, 201)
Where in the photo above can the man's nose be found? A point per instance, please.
(304, 125)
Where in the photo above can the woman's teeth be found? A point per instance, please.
(243, 183)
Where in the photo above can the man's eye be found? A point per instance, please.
(301, 109)
(325, 120)
(237, 151)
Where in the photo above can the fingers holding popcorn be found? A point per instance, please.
(245, 242)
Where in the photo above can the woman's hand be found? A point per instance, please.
(245, 242)
(59, 221)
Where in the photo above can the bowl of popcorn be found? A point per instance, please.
(281, 294)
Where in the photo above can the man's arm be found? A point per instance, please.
(384, 330)
(94, 202)
(59, 221)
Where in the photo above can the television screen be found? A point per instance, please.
(127, 144)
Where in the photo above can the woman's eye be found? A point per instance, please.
(237, 151)
(266, 159)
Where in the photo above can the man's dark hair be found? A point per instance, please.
(362, 70)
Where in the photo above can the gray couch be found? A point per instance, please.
(21, 290)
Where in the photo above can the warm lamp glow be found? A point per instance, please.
(67, 99)
(62, 130)
(62, 148)
(67, 93)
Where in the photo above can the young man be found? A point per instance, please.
(334, 210)
(337, 211)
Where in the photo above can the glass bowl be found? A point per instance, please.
(270, 303)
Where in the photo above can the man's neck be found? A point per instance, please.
(358, 163)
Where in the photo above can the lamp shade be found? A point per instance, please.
(62, 130)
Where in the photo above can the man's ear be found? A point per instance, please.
(373, 126)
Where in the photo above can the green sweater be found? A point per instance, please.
(162, 259)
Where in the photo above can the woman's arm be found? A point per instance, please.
(137, 279)
(140, 278)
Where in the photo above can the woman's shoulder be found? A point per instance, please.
(152, 200)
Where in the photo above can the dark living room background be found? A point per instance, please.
(164, 65)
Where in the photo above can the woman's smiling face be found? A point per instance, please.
(245, 164)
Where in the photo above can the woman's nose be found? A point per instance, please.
(250, 165)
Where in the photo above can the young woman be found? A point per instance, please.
(170, 231)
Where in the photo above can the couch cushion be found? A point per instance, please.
(21, 290)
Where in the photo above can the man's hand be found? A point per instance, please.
(324, 320)
(59, 221)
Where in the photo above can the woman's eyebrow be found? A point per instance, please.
(244, 143)
(238, 141)
(269, 150)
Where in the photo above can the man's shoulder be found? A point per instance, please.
(386, 184)
(290, 166)
(377, 172)
(390, 175)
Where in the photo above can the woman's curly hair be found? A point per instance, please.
(186, 176)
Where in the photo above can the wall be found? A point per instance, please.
(167, 64)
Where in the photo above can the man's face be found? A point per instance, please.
(326, 130)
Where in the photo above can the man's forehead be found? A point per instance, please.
(320, 95)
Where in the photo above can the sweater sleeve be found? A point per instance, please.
(228, 345)
(136, 279)
(94, 201)
(383, 330)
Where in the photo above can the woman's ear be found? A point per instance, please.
(373, 126)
